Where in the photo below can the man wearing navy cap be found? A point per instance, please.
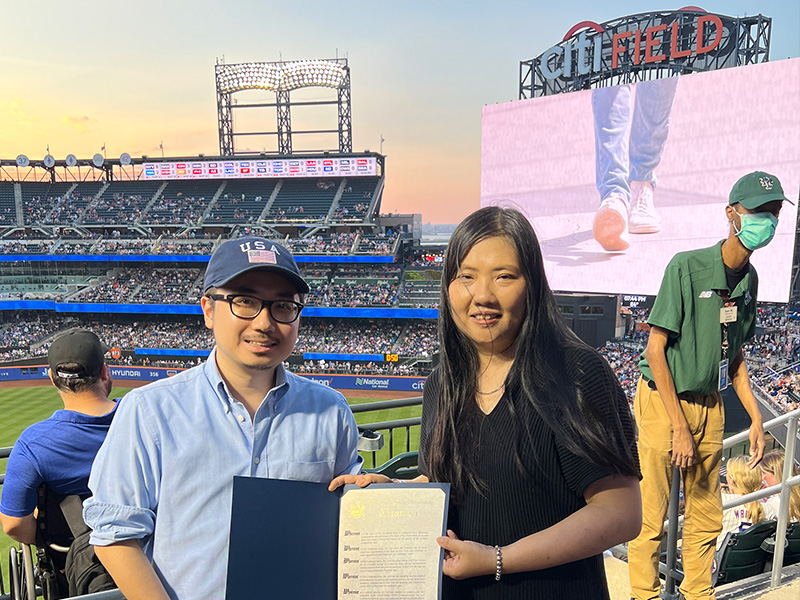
(163, 480)
(704, 312)
(59, 451)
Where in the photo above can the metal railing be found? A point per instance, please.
(673, 575)
(389, 426)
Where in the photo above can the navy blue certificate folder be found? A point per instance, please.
(284, 538)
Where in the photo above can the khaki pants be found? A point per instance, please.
(703, 521)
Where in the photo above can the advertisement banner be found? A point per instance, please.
(337, 382)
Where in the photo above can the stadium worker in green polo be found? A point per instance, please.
(704, 312)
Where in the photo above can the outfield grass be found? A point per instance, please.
(21, 407)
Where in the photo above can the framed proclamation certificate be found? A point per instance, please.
(297, 539)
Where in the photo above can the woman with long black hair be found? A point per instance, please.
(528, 425)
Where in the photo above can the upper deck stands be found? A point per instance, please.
(242, 201)
(39, 198)
(303, 200)
(121, 202)
(8, 205)
(181, 203)
(355, 199)
(71, 206)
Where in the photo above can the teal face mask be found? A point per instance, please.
(757, 229)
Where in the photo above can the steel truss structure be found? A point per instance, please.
(743, 41)
(282, 78)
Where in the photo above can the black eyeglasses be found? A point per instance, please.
(248, 307)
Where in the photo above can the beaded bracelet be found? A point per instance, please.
(499, 570)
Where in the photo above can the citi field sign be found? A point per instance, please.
(645, 46)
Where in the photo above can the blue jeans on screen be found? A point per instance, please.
(628, 148)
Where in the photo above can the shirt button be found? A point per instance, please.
(256, 460)
(241, 418)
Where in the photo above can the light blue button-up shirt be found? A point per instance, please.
(165, 472)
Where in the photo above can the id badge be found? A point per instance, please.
(728, 314)
(723, 375)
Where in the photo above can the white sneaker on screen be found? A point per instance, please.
(644, 218)
(610, 227)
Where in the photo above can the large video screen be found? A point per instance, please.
(666, 152)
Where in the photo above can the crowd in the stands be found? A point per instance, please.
(379, 243)
(623, 356)
(346, 367)
(421, 340)
(771, 355)
(337, 243)
(424, 258)
(28, 334)
(367, 337)
(352, 295)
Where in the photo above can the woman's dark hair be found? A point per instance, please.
(538, 377)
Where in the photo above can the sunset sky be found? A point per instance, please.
(77, 75)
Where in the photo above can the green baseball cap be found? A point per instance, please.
(755, 189)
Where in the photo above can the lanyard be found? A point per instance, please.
(725, 296)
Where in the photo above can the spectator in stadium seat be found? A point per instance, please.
(742, 479)
(60, 450)
(527, 424)
(772, 474)
(162, 482)
(704, 312)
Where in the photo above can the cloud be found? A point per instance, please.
(16, 120)
(80, 124)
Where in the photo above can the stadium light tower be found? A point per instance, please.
(282, 78)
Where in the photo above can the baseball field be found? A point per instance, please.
(23, 406)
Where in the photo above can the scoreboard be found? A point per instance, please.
(262, 168)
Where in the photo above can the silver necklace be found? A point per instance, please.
(497, 389)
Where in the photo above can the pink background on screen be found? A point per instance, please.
(538, 155)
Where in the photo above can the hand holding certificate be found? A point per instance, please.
(304, 541)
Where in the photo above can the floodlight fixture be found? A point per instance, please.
(282, 78)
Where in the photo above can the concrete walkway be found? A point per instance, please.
(753, 589)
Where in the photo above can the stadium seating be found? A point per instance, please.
(303, 200)
(420, 293)
(337, 243)
(8, 204)
(28, 332)
(121, 203)
(356, 198)
(402, 466)
(373, 243)
(741, 554)
(241, 201)
(181, 203)
(39, 198)
(70, 208)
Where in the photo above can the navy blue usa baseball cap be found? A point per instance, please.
(234, 257)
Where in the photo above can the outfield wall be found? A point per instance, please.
(339, 382)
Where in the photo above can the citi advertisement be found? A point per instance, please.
(368, 382)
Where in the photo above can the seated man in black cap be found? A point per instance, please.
(163, 480)
(60, 450)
